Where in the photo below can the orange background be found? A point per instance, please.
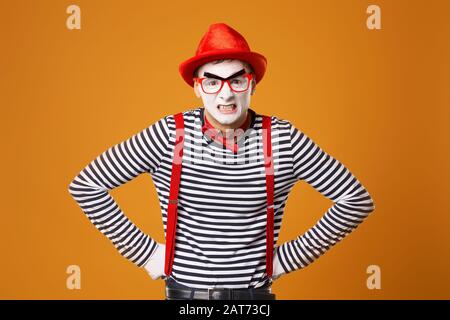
(377, 100)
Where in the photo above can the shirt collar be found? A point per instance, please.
(216, 135)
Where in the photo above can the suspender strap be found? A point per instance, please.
(268, 164)
(173, 196)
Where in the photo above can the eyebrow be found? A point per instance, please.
(211, 75)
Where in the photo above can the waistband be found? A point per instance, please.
(177, 291)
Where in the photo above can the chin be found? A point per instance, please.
(226, 119)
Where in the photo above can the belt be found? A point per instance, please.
(220, 294)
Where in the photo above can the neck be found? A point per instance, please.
(224, 127)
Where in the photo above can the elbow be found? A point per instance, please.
(371, 207)
(77, 185)
(71, 188)
(370, 204)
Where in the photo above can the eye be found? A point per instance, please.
(211, 82)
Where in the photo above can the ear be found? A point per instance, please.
(253, 87)
(197, 93)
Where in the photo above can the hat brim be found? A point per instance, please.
(256, 60)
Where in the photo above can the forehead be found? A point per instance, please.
(224, 68)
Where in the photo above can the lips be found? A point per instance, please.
(227, 108)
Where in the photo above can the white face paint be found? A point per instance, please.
(239, 100)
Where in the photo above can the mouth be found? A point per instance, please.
(227, 108)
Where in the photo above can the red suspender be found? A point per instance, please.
(173, 197)
(175, 186)
(268, 164)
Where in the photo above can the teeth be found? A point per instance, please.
(226, 107)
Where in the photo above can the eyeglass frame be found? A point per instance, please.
(248, 75)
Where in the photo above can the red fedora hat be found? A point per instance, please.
(222, 42)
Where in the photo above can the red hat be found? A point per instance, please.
(222, 42)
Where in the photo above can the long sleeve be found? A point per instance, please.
(119, 164)
(351, 203)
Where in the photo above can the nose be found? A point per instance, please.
(225, 94)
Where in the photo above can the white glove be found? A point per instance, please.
(155, 265)
(278, 270)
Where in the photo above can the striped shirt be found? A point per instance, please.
(220, 238)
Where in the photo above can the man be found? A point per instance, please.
(223, 222)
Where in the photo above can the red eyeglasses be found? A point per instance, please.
(236, 84)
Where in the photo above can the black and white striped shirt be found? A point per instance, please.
(220, 239)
